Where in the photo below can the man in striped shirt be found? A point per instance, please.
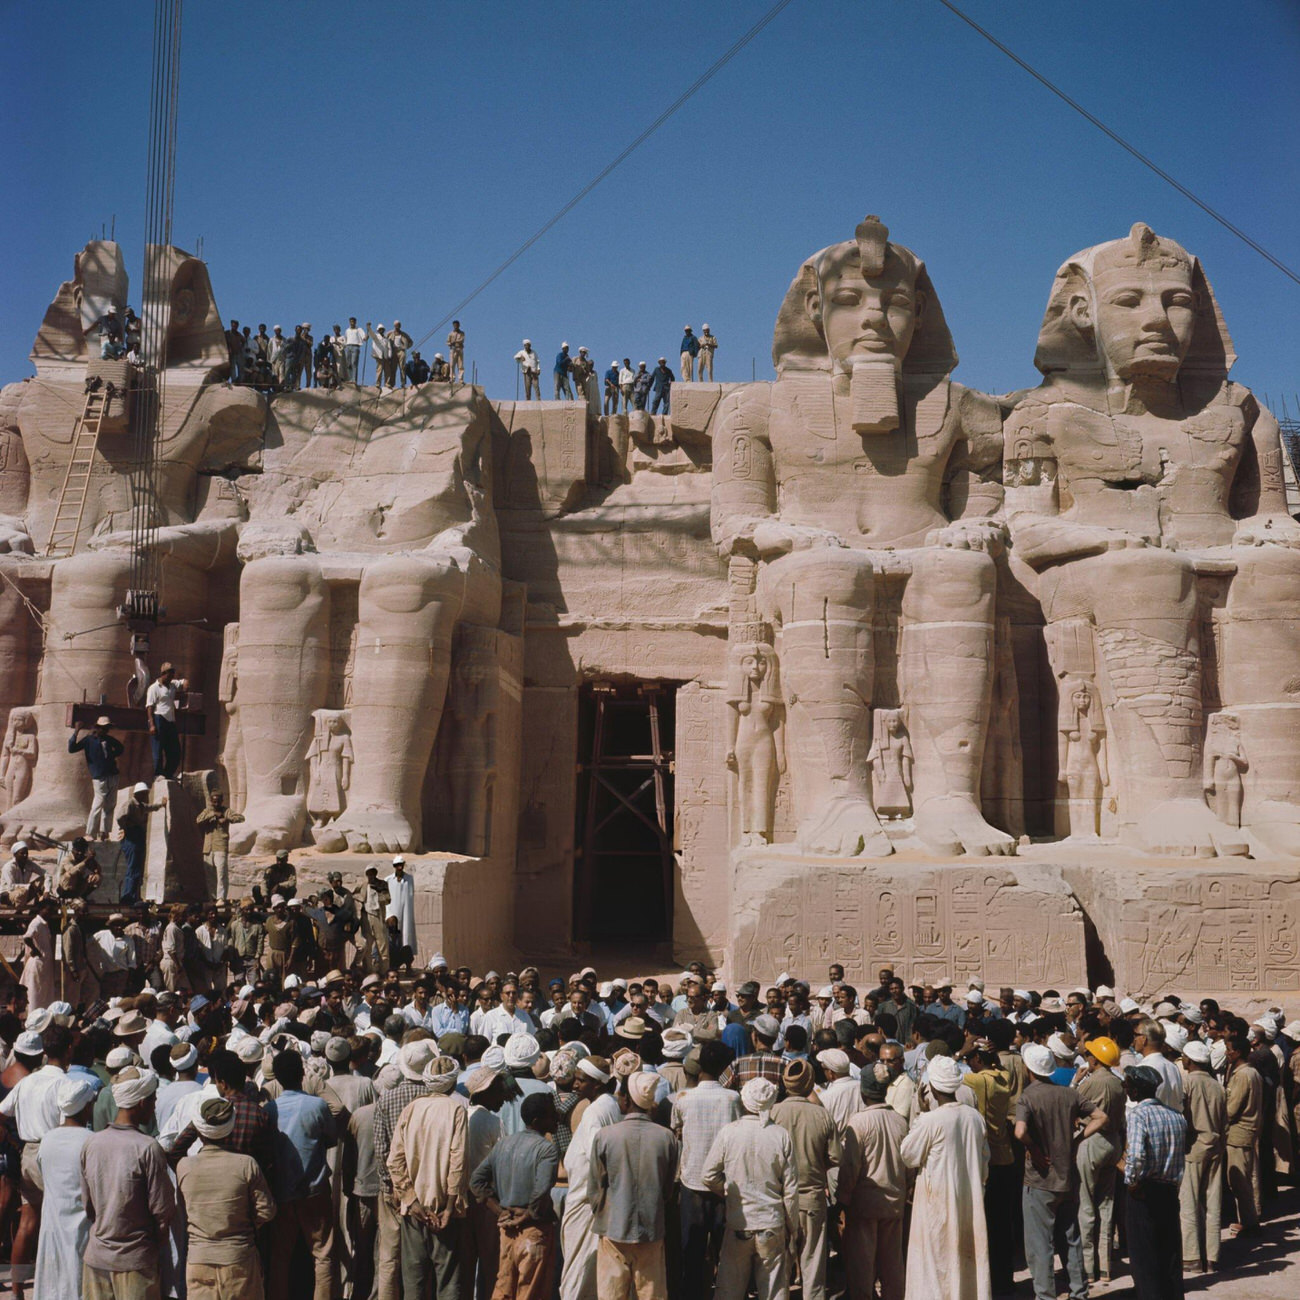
(1153, 1170)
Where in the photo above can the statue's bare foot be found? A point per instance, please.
(952, 824)
(1277, 826)
(329, 839)
(1186, 828)
(41, 814)
(845, 826)
(375, 830)
(270, 823)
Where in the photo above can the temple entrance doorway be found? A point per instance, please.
(623, 858)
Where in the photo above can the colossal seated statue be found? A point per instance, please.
(863, 471)
(1145, 490)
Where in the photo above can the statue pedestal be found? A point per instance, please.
(1005, 920)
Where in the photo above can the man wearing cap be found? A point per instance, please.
(514, 1181)
(279, 878)
(763, 1062)
(1245, 1117)
(133, 822)
(102, 751)
(1047, 1116)
(708, 346)
(21, 879)
(281, 937)
(632, 1168)
(227, 1200)
(64, 1226)
(427, 1167)
(1099, 1155)
(560, 371)
(80, 874)
(948, 1146)
(661, 385)
(301, 1183)
(160, 703)
(752, 1166)
(689, 351)
(1205, 1108)
(401, 902)
(531, 365)
(815, 1138)
(943, 1007)
(126, 1188)
(872, 1191)
(1153, 1168)
(216, 820)
(31, 1110)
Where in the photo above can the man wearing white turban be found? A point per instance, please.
(64, 1227)
(752, 1166)
(227, 1199)
(520, 1055)
(592, 1080)
(948, 1145)
(128, 1194)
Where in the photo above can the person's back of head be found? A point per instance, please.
(926, 1027)
(1000, 1033)
(225, 1068)
(58, 1042)
(538, 1110)
(715, 1056)
(160, 1061)
(845, 1031)
(570, 1030)
(475, 1046)
(288, 1067)
(796, 1038)
(953, 1035)
(824, 1040)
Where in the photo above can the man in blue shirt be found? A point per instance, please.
(1153, 1170)
(302, 1179)
(451, 1016)
(102, 752)
(661, 383)
(690, 350)
(563, 368)
(611, 389)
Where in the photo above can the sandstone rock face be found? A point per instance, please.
(859, 664)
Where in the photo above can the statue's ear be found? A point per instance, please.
(1079, 310)
(812, 302)
(922, 302)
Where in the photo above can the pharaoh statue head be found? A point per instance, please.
(1134, 311)
(865, 308)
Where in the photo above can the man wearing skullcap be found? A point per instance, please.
(1154, 1162)
(1098, 1156)
(593, 1081)
(515, 1181)
(427, 1167)
(815, 1137)
(631, 1173)
(872, 1190)
(521, 1054)
(752, 1166)
(841, 1095)
(301, 1180)
(184, 1064)
(411, 1061)
(1245, 1120)
(64, 1227)
(1047, 1116)
(763, 1062)
(227, 1199)
(127, 1191)
(948, 1247)
(1205, 1107)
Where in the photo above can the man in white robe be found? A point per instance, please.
(401, 901)
(948, 1257)
(578, 1238)
(39, 966)
(65, 1229)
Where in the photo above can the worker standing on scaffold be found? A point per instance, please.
(160, 704)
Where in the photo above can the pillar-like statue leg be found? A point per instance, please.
(822, 599)
(945, 671)
(20, 642)
(408, 608)
(85, 657)
(1144, 606)
(1261, 685)
(283, 676)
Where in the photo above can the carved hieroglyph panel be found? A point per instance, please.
(928, 922)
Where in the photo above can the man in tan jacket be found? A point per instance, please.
(1245, 1099)
(1206, 1110)
(426, 1163)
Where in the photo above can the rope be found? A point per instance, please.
(1124, 144)
(698, 84)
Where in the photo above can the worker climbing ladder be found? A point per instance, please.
(76, 482)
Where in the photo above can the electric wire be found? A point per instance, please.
(1124, 144)
(697, 85)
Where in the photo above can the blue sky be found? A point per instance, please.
(380, 160)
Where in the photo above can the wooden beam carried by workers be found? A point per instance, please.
(189, 722)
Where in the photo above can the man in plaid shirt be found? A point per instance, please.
(1153, 1170)
(762, 1062)
(254, 1131)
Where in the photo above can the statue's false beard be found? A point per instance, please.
(874, 390)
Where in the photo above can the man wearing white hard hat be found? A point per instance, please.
(1047, 1116)
(401, 901)
(708, 346)
(948, 1257)
(531, 365)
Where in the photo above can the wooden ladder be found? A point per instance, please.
(76, 482)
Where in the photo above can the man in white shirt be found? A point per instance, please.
(20, 878)
(160, 704)
(401, 901)
(503, 1019)
(353, 337)
(381, 349)
(1149, 1039)
(626, 378)
(113, 956)
(162, 1029)
(531, 364)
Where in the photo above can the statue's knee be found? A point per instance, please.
(408, 584)
(1266, 584)
(949, 583)
(280, 584)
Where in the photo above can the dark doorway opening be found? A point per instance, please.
(623, 868)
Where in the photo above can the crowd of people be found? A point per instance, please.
(195, 1099)
(634, 389)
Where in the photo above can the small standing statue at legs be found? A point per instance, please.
(1224, 764)
(891, 764)
(1081, 757)
(756, 735)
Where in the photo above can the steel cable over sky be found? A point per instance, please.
(1124, 144)
(698, 84)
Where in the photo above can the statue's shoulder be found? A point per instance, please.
(977, 418)
(748, 404)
